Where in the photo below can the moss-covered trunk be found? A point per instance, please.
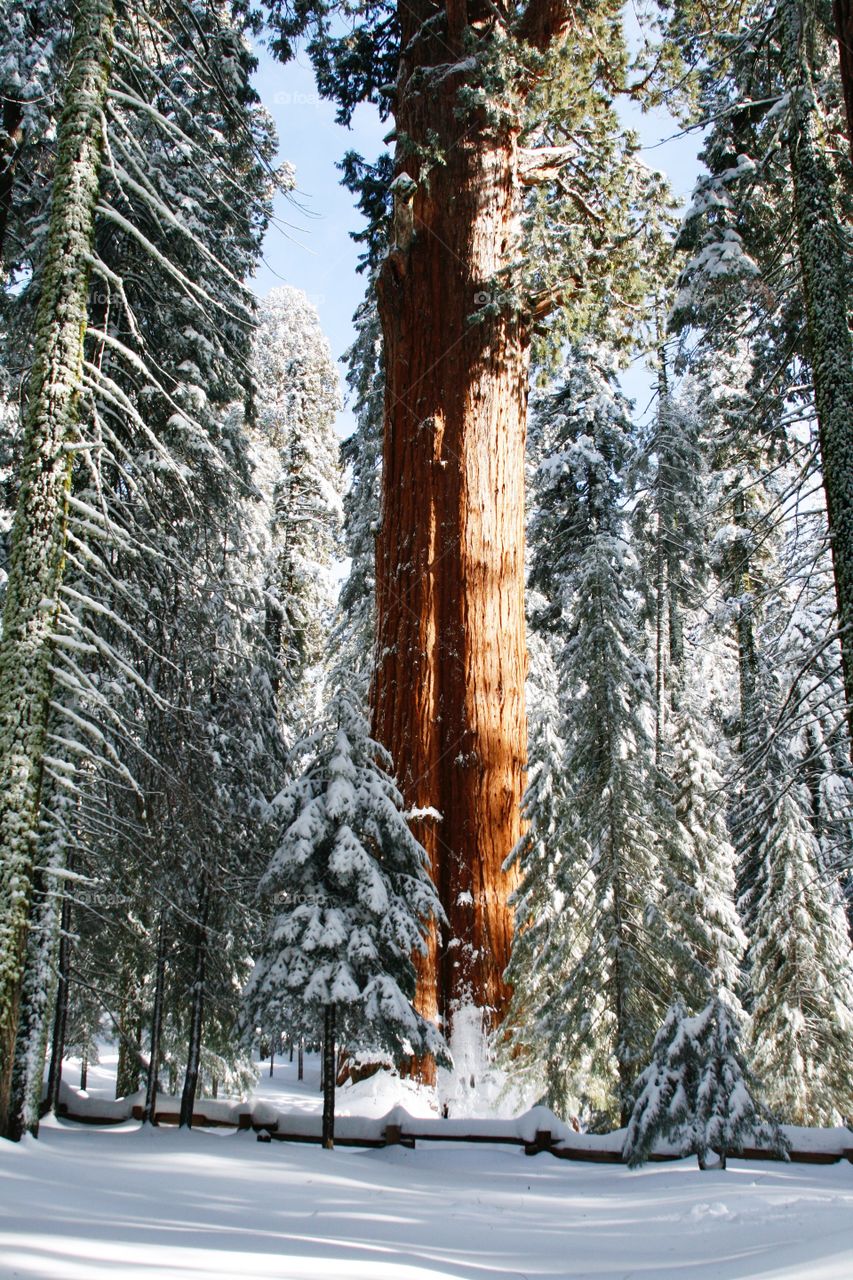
(826, 280)
(38, 536)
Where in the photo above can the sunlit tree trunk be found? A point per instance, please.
(449, 688)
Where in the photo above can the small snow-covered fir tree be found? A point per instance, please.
(697, 1091)
(352, 900)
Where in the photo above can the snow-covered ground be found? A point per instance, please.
(85, 1203)
(82, 1203)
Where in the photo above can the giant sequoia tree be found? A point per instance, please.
(488, 102)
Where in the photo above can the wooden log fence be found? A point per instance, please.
(394, 1135)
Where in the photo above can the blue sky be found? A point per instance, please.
(310, 246)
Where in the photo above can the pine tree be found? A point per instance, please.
(670, 525)
(538, 904)
(700, 921)
(35, 48)
(156, 625)
(296, 402)
(800, 972)
(766, 226)
(604, 976)
(353, 900)
(355, 632)
(697, 1090)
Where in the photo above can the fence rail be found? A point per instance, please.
(397, 1135)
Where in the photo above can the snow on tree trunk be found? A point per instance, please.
(329, 1077)
(38, 536)
(825, 277)
(37, 997)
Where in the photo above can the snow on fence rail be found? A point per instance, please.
(538, 1131)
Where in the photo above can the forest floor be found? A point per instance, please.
(84, 1203)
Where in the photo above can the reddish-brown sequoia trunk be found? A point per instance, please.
(449, 690)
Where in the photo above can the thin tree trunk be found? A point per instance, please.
(197, 1018)
(84, 1069)
(39, 530)
(272, 1057)
(13, 116)
(60, 1015)
(661, 611)
(741, 588)
(826, 279)
(300, 1065)
(149, 1113)
(329, 1077)
(843, 13)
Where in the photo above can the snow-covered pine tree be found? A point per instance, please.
(34, 41)
(297, 398)
(350, 901)
(538, 904)
(766, 225)
(168, 336)
(605, 974)
(361, 454)
(799, 947)
(799, 967)
(697, 1091)
(669, 522)
(700, 922)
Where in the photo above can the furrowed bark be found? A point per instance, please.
(38, 535)
(451, 665)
